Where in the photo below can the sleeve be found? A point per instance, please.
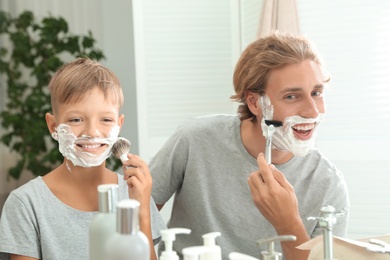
(168, 167)
(157, 221)
(18, 229)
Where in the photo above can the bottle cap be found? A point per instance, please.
(128, 216)
(108, 198)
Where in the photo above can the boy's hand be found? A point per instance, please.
(274, 196)
(139, 181)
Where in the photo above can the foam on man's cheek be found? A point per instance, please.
(283, 138)
(68, 148)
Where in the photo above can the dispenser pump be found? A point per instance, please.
(209, 241)
(271, 254)
(168, 236)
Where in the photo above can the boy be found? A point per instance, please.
(49, 217)
(209, 162)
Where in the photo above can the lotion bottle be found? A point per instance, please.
(128, 243)
(103, 224)
(215, 250)
(239, 256)
(194, 252)
(168, 236)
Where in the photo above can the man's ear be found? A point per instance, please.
(252, 100)
(51, 122)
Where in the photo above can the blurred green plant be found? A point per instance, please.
(36, 50)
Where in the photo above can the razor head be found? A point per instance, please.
(275, 123)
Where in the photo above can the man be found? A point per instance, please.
(209, 162)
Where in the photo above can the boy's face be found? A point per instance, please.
(295, 92)
(87, 129)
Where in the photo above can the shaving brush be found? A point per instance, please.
(121, 148)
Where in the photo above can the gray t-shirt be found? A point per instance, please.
(35, 223)
(206, 164)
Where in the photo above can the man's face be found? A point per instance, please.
(297, 90)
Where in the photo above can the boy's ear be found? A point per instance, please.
(51, 122)
(252, 101)
(121, 119)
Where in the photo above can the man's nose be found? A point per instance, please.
(310, 109)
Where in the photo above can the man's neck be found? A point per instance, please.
(254, 142)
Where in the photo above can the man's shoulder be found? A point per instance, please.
(209, 122)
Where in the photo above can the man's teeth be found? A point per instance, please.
(304, 127)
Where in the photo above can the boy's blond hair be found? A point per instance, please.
(264, 55)
(73, 80)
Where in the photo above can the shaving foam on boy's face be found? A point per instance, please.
(283, 138)
(68, 146)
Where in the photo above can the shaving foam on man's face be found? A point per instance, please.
(284, 137)
(75, 148)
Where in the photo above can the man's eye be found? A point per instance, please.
(290, 97)
(317, 93)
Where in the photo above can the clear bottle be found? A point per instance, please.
(103, 224)
(128, 242)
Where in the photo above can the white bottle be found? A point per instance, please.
(194, 252)
(128, 243)
(215, 251)
(103, 224)
(168, 236)
(239, 256)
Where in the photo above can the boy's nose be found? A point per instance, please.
(92, 130)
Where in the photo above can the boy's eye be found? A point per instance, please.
(108, 120)
(75, 120)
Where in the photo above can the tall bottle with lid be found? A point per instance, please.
(103, 224)
(128, 242)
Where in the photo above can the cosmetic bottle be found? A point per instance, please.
(215, 250)
(168, 236)
(194, 252)
(239, 256)
(103, 224)
(128, 242)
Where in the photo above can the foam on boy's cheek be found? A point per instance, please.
(68, 148)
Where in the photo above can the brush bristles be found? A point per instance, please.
(120, 147)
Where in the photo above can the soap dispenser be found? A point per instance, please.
(168, 236)
(209, 241)
(103, 223)
(128, 242)
(194, 252)
(271, 254)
